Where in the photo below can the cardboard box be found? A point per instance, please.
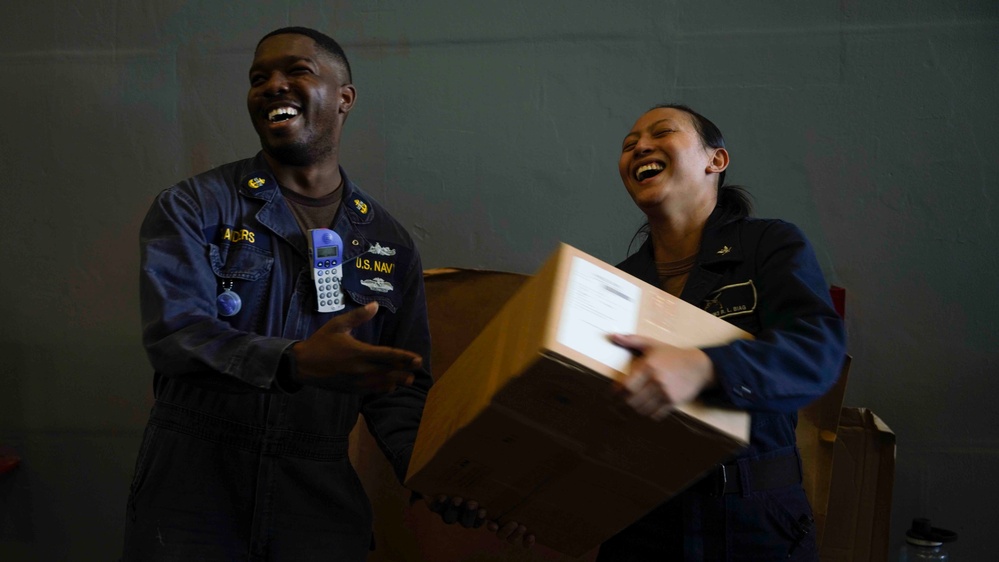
(818, 425)
(858, 522)
(525, 420)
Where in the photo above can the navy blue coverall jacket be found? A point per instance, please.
(232, 466)
(762, 276)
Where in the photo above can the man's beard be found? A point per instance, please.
(299, 153)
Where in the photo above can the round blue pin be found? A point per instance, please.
(228, 302)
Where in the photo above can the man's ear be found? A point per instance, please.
(719, 161)
(347, 95)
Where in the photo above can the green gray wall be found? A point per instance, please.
(493, 129)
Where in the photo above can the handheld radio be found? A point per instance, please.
(326, 250)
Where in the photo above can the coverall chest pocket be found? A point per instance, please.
(244, 270)
(735, 303)
(378, 275)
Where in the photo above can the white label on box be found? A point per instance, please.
(598, 303)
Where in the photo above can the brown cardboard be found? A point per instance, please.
(460, 302)
(816, 434)
(527, 423)
(859, 516)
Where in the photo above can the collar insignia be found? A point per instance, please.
(361, 206)
(724, 250)
(256, 182)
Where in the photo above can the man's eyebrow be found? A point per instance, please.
(286, 59)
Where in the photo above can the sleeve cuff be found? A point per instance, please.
(284, 379)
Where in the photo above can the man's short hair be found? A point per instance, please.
(325, 42)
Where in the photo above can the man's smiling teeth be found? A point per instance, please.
(648, 170)
(281, 114)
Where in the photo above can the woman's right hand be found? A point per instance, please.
(662, 376)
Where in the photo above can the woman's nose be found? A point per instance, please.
(643, 145)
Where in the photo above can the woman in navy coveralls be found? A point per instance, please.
(762, 276)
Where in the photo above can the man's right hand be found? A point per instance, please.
(471, 516)
(334, 360)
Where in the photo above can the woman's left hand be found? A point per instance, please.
(663, 375)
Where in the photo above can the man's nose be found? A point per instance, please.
(277, 83)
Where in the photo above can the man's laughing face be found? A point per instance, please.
(298, 99)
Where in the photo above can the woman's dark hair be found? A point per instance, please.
(734, 202)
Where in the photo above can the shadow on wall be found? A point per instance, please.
(77, 438)
(21, 498)
(11, 387)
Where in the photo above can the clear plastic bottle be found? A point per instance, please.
(925, 543)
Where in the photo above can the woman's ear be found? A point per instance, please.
(719, 161)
